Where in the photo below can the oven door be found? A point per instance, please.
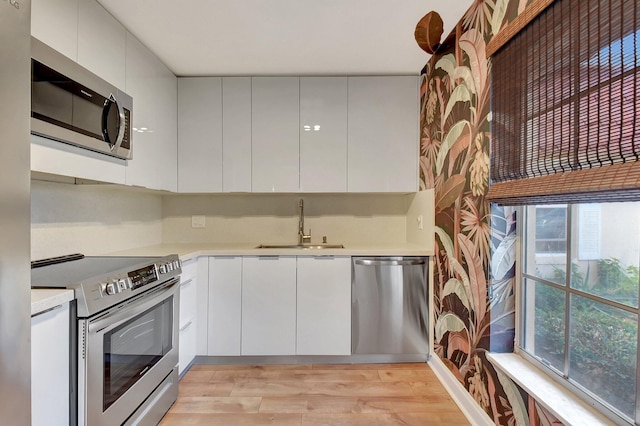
(128, 352)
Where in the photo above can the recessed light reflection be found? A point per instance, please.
(142, 130)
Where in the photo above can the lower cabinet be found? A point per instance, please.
(269, 305)
(279, 305)
(50, 367)
(225, 306)
(187, 324)
(323, 323)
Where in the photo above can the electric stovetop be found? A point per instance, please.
(103, 282)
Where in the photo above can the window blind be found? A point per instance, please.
(566, 106)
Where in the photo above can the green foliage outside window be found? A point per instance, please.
(603, 338)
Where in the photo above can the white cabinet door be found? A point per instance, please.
(50, 367)
(200, 134)
(323, 134)
(202, 308)
(269, 305)
(101, 43)
(154, 120)
(383, 134)
(225, 305)
(187, 323)
(274, 134)
(187, 349)
(324, 306)
(55, 22)
(236, 134)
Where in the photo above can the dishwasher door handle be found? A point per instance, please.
(390, 262)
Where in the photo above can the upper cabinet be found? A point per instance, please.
(214, 134)
(383, 134)
(200, 134)
(236, 134)
(55, 22)
(323, 134)
(154, 89)
(101, 42)
(85, 32)
(299, 134)
(61, 24)
(274, 134)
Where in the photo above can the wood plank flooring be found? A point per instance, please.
(313, 395)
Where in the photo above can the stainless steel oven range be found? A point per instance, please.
(125, 334)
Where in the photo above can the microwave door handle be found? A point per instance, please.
(105, 131)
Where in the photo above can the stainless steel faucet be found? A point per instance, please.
(302, 238)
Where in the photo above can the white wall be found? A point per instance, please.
(92, 219)
(273, 218)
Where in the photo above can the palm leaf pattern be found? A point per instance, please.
(475, 252)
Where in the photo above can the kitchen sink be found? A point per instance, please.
(301, 246)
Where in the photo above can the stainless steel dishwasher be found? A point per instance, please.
(389, 305)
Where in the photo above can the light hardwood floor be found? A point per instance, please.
(311, 395)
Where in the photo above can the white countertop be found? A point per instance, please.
(188, 251)
(45, 299)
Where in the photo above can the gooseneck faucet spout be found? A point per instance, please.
(302, 238)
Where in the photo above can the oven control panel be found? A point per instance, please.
(139, 278)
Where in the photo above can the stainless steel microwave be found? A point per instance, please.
(72, 105)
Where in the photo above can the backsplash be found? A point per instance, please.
(102, 219)
(273, 218)
(91, 219)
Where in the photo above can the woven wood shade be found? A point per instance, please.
(566, 106)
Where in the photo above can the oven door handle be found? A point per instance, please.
(125, 312)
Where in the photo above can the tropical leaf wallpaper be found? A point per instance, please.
(475, 257)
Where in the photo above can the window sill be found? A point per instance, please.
(567, 408)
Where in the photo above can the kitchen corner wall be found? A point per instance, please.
(474, 273)
(91, 219)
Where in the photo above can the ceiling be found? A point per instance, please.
(284, 37)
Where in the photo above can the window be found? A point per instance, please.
(551, 225)
(565, 143)
(582, 325)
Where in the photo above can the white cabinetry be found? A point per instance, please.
(200, 134)
(154, 90)
(236, 134)
(324, 306)
(383, 134)
(50, 367)
(323, 134)
(187, 324)
(274, 134)
(101, 43)
(225, 306)
(202, 304)
(85, 32)
(193, 310)
(55, 22)
(88, 34)
(269, 305)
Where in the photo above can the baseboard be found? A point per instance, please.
(311, 359)
(464, 400)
